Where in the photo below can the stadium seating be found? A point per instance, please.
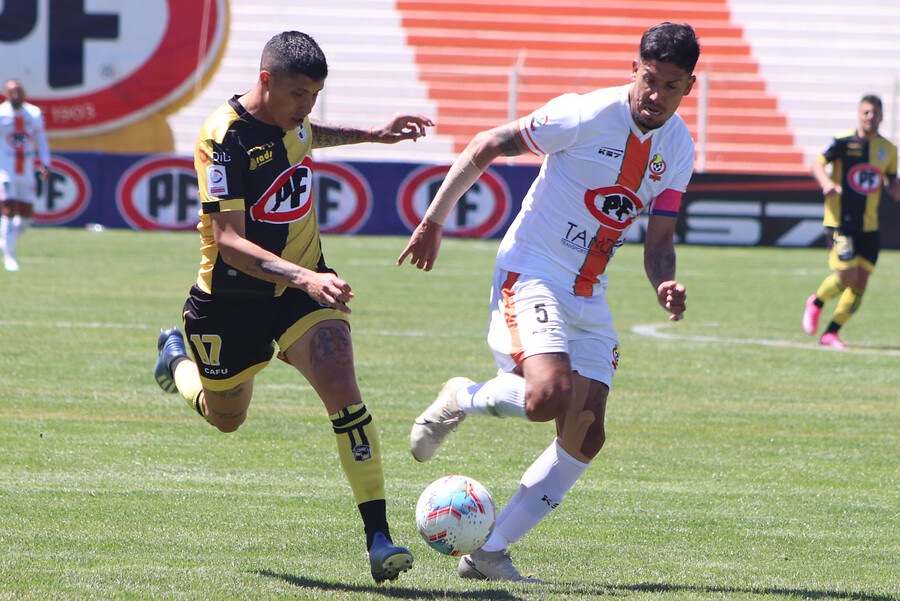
(777, 79)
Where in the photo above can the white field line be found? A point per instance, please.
(653, 331)
(137, 326)
(74, 325)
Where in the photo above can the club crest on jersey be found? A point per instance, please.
(289, 198)
(656, 166)
(614, 206)
(18, 140)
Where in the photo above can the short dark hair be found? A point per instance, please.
(873, 100)
(294, 53)
(671, 43)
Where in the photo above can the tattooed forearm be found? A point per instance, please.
(327, 134)
(660, 265)
(275, 268)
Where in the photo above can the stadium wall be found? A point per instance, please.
(159, 192)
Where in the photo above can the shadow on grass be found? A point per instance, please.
(388, 590)
(802, 593)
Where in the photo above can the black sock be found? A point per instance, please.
(374, 516)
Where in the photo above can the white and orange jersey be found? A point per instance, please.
(599, 173)
(22, 140)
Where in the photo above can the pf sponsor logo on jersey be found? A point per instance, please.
(289, 198)
(865, 179)
(64, 195)
(614, 206)
(96, 66)
(216, 182)
(480, 213)
(343, 198)
(159, 192)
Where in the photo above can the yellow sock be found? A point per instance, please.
(187, 380)
(847, 305)
(830, 287)
(360, 452)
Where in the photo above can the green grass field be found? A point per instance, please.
(742, 462)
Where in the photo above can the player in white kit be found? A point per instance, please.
(23, 141)
(609, 156)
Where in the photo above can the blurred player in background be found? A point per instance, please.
(862, 162)
(22, 141)
(263, 278)
(609, 155)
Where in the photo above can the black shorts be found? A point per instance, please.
(232, 338)
(852, 248)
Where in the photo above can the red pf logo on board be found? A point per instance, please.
(94, 67)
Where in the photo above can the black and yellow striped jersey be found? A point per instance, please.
(859, 166)
(246, 165)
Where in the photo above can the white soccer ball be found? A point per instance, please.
(455, 515)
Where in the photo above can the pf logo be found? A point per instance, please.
(614, 206)
(159, 192)
(343, 198)
(64, 195)
(865, 179)
(96, 66)
(289, 198)
(480, 213)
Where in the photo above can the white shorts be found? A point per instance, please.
(18, 187)
(531, 316)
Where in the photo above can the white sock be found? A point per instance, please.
(8, 232)
(21, 224)
(503, 396)
(541, 490)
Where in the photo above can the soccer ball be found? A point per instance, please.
(455, 515)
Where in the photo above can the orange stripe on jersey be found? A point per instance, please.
(631, 174)
(509, 315)
(634, 163)
(19, 134)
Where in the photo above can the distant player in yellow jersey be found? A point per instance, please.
(263, 281)
(862, 162)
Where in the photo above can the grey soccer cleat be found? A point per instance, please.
(491, 565)
(440, 419)
(171, 348)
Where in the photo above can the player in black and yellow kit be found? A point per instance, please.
(263, 279)
(862, 163)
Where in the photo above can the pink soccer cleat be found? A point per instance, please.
(831, 339)
(811, 315)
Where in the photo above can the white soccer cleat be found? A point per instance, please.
(440, 419)
(491, 565)
(10, 263)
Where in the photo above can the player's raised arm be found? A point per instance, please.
(400, 127)
(425, 242)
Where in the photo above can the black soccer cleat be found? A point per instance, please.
(386, 560)
(171, 348)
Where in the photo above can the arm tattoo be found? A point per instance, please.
(660, 266)
(510, 141)
(273, 268)
(328, 134)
